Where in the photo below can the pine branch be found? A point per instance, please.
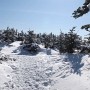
(86, 2)
(80, 12)
(86, 27)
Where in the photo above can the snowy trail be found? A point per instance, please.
(33, 72)
(29, 73)
(42, 71)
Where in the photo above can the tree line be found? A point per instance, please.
(64, 42)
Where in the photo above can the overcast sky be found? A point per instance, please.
(41, 15)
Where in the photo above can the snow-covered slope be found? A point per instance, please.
(42, 71)
(11, 48)
(14, 48)
(78, 77)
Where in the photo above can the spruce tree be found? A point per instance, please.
(85, 8)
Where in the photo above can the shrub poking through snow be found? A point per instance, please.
(32, 48)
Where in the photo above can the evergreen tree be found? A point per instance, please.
(85, 8)
(9, 35)
(31, 37)
(61, 42)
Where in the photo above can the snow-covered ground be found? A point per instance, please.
(21, 71)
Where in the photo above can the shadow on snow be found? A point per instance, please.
(75, 61)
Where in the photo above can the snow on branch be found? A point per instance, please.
(82, 10)
(86, 27)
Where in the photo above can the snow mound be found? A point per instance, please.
(15, 44)
(9, 49)
(47, 51)
(16, 48)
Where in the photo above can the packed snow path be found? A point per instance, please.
(45, 72)
(30, 73)
(42, 71)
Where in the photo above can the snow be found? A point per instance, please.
(9, 49)
(5, 71)
(73, 82)
(22, 71)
